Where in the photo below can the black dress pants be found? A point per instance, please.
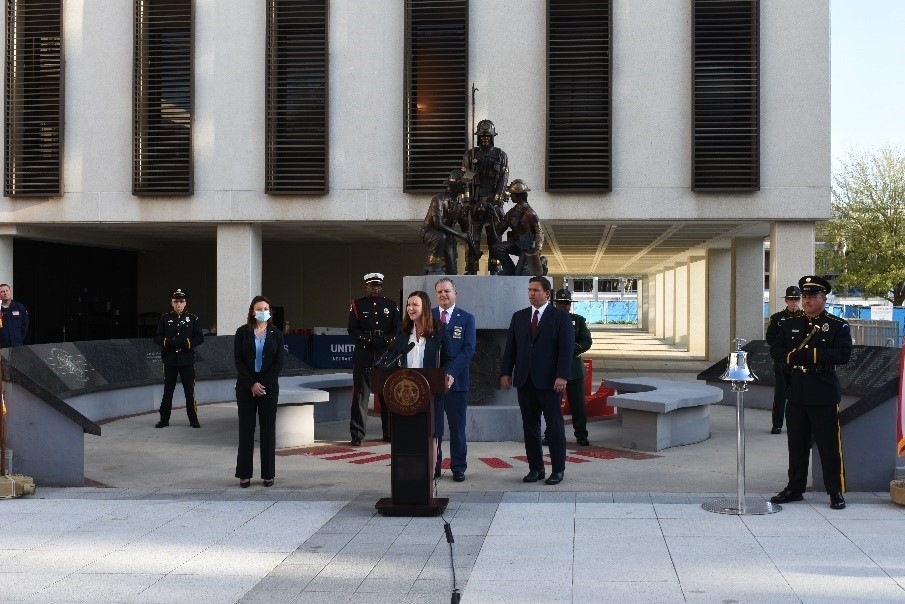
(186, 374)
(534, 402)
(820, 422)
(264, 409)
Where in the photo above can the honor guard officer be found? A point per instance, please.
(178, 335)
(792, 299)
(575, 385)
(373, 322)
(809, 347)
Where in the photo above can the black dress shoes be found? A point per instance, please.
(776, 431)
(459, 476)
(268, 482)
(386, 438)
(534, 476)
(837, 501)
(195, 424)
(583, 442)
(555, 478)
(786, 496)
(356, 442)
(161, 424)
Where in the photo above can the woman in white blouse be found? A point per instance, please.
(426, 333)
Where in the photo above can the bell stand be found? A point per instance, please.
(738, 373)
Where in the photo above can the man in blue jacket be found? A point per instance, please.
(15, 319)
(459, 342)
(538, 361)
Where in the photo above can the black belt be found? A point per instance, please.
(815, 369)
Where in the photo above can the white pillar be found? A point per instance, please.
(643, 293)
(239, 268)
(748, 288)
(697, 305)
(681, 306)
(659, 304)
(669, 307)
(6, 261)
(719, 293)
(791, 258)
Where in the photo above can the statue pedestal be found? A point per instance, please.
(493, 414)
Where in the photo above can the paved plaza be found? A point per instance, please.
(166, 522)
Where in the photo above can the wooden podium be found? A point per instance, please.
(409, 394)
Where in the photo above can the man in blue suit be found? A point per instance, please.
(538, 360)
(459, 343)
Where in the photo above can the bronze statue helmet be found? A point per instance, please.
(457, 176)
(517, 186)
(485, 128)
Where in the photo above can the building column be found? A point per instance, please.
(681, 306)
(644, 304)
(791, 258)
(239, 268)
(669, 307)
(6, 259)
(718, 293)
(659, 304)
(747, 288)
(697, 306)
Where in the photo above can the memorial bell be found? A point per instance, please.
(737, 370)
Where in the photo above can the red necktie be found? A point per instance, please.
(534, 325)
(443, 317)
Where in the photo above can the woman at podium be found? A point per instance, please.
(420, 343)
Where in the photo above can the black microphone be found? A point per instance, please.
(400, 355)
(386, 353)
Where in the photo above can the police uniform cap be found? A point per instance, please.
(178, 294)
(374, 279)
(812, 284)
(563, 295)
(793, 292)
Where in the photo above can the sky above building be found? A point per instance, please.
(868, 77)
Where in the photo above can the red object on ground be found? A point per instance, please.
(596, 405)
(588, 378)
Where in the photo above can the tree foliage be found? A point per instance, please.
(865, 239)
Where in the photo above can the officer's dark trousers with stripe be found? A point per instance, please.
(820, 422)
(361, 393)
(186, 374)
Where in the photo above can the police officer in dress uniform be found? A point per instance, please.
(792, 299)
(373, 322)
(575, 385)
(809, 347)
(490, 165)
(178, 335)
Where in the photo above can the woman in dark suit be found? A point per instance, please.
(258, 352)
(426, 333)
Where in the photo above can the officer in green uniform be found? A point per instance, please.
(374, 321)
(793, 298)
(809, 347)
(575, 385)
(178, 335)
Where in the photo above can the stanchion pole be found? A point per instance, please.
(738, 373)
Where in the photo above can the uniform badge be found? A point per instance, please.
(457, 333)
(826, 327)
(386, 311)
(187, 319)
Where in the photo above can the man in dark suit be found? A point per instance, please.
(459, 344)
(538, 361)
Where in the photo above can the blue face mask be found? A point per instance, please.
(263, 316)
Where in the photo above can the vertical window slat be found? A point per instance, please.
(579, 119)
(33, 107)
(297, 97)
(726, 81)
(436, 92)
(162, 97)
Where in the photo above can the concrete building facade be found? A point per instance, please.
(700, 252)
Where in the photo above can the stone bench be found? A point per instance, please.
(658, 413)
(298, 398)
